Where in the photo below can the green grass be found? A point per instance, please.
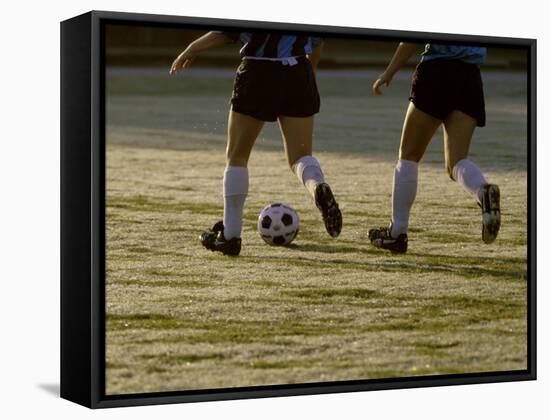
(182, 358)
(180, 317)
(154, 204)
(326, 295)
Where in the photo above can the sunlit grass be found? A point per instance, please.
(180, 317)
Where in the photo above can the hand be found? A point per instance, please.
(383, 79)
(182, 62)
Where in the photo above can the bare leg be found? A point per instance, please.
(298, 137)
(418, 130)
(458, 129)
(242, 133)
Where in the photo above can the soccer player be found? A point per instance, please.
(274, 82)
(446, 89)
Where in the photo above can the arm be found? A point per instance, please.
(315, 56)
(205, 42)
(402, 54)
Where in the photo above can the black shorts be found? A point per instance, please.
(267, 89)
(442, 86)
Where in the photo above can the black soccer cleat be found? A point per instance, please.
(381, 238)
(214, 240)
(326, 203)
(490, 213)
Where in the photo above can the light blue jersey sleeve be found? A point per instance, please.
(468, 54)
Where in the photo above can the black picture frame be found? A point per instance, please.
(83, 213)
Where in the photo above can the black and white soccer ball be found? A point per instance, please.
(278, 224)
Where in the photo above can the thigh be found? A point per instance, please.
(458, 129)
(297, 136)
(418, 129)
(242, 132)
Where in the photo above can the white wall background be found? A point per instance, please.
(29, 206)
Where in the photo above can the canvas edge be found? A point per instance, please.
(75, 184)
(95, 304)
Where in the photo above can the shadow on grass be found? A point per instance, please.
(473, 260)
(470, 267)
(329, 249)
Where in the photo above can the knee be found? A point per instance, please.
(409, 155)
(233, 158)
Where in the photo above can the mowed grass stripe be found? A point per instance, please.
(454, 312)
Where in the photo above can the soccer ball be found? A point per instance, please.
(278, 224)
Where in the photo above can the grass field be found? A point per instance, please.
(180, 317)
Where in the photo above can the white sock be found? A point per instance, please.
(405, 181)
(308, 170)
(468, 174)
(235, 190)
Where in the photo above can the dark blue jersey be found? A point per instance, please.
(266, 45)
